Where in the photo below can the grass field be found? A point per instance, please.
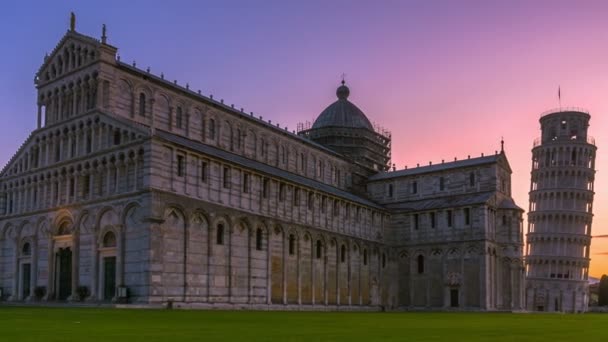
(115, 325)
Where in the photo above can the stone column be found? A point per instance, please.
(50, 287)
(15, 295)
(39, 124)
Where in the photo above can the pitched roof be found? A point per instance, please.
(263, 168)
(509, 203)
(437, 167)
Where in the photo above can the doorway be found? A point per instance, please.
(109, 278)
(25, 280)
(63, 273)
(454, 298)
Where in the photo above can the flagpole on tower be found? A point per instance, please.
(559, 97)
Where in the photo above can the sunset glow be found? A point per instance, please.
(447, 78)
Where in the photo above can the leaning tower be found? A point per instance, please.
(560, 213)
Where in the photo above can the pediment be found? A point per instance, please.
(503, 162)
(74, 51)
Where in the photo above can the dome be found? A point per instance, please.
(342, 113)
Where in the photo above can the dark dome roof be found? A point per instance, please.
(342, 113)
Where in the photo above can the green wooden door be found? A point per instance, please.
(25, 280)
(64, 263)
(109, 278)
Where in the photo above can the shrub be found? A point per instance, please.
(39, 292)
(83, 292)
(603, 291)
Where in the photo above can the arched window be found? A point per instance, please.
(319, 249)
(219, 235)
(365, 257)
(420, 264)
(178, 117)
(109, 240)
(292, 244)
(142, 104)
(64, 229)
(211, 129)
(573, 161)
(258, 239)
(26, 250)
(342, 253)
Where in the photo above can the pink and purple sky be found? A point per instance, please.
(448, 78)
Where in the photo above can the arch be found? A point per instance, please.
(109, 239)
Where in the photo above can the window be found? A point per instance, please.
(467, 216)
(265, 185)
(116, 137)
(219, 234)
(311, 202)
(180, 166)
(343, 254)
(258, 239)
(86, 182)
(365, 257)
(336, 208)
(27, 249)
(390, 190)
(292, 244)
(414, 187)
(296, 197)
(383, 260)
(504, 220)
(246, 183)
(211, 129)
(472, 179)
(319, 249)
(432, 216)
(203, 171)
(72, 150)
(71, 186)
(416, 221)
(449, 217)
(281, 192)
(227, 177)
(142, 104)
(573, 158)
(441, 183)
(302, 162)
(563, 124)
(178, 117)
(420, 264)
(109, 240)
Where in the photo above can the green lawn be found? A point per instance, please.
(114, 325)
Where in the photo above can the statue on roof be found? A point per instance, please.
(72, 21)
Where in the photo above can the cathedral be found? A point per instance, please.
(135, 189)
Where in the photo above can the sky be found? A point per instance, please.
(448, 78)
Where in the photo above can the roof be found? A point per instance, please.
(264, 168)
(220, 104)
(444, 202)
(343, 113)
(491, 159)
(509, 203)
